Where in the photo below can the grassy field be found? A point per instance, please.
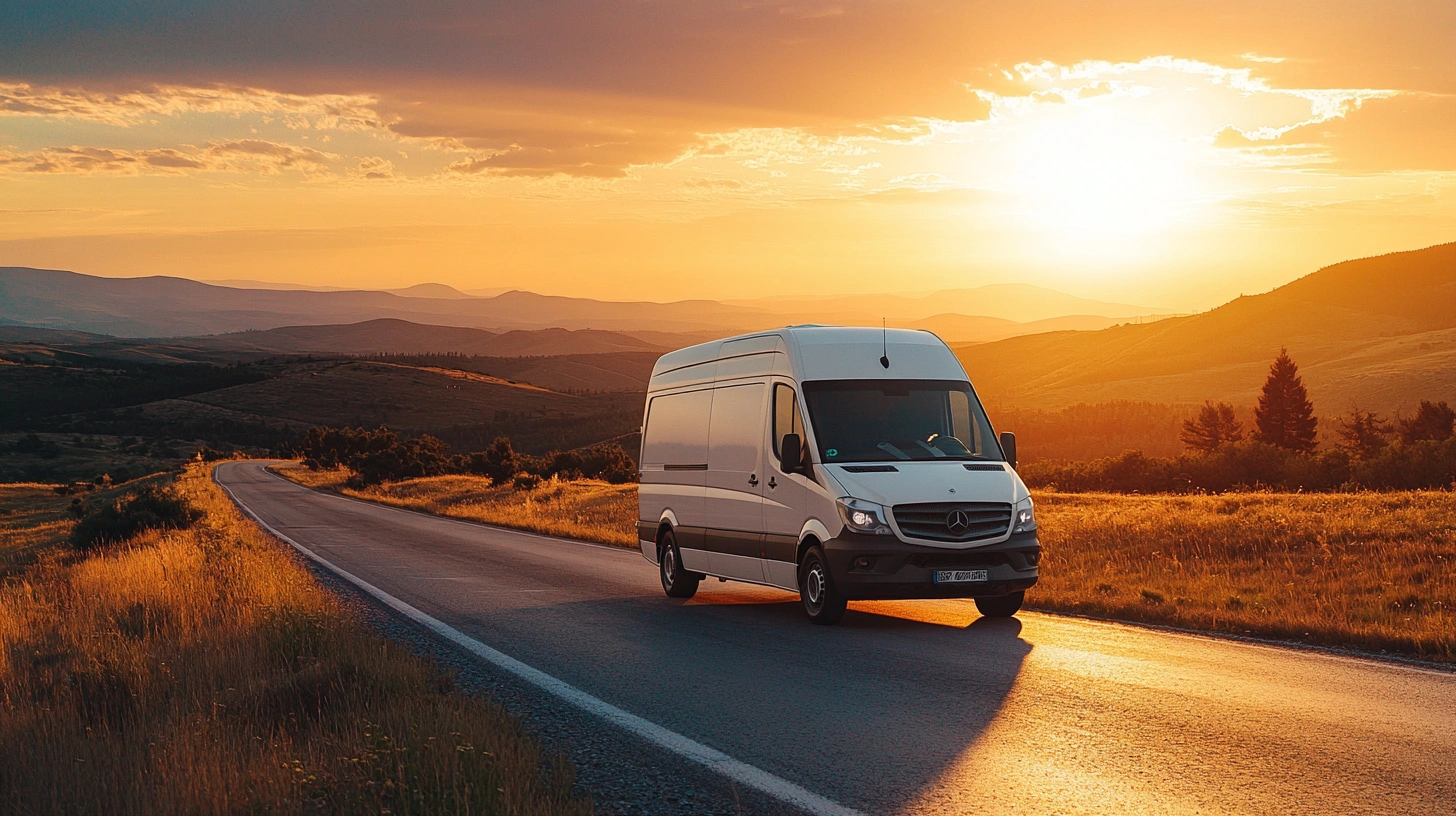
(83, 457)
(204, 671)
(1370, 571)
(586, 509)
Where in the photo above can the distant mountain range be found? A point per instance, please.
(392, 336)
(175, 307)
(1378, 332)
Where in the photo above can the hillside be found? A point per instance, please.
(76, 416)
(1012, 302)
(620, 371)
(1379, 332)
(165, 307)
(161, 306)
(371, 394)
(393, 336)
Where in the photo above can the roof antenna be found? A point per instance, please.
(885, 338)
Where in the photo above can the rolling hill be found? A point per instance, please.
(165, 307)
(1012, 302)
(393, 336)
(1378, 332)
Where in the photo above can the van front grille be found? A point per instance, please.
(970, 560)
(954, 521)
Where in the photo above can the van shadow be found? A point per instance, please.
(869, 712)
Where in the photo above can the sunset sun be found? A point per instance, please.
(676, 407)
(1089, 174)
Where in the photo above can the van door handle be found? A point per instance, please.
(772, 482)
(753, 479)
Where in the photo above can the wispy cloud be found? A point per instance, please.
(243, 156)
(321, 111)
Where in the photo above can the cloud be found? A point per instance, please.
(592, 161)
(375, 168)
(245, 156)
(1231, 136)
(130, 108)
(1410, 132)
(270, 156)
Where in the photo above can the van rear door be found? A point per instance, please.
(675, 467)
(735, 483)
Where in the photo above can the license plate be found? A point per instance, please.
(958, 576)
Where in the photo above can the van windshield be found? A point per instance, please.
(890, 420)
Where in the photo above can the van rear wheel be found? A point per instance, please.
(677, 581)
(822, 602)
(1002, 606)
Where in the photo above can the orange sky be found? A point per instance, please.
(1170, 154)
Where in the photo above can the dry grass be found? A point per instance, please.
(204, 671)
(1372, 571)
(586, 509)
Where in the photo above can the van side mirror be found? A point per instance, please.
(1008, 448)
(791, 453)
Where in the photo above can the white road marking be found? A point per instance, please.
(713, 759)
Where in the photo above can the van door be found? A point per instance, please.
(734, 483)
(785, 495)
(675, 469)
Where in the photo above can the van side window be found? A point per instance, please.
(677, 430)
(787, 418)
(962, 426)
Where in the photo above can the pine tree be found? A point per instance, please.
(1364, 433)
(1215, 425)
(1433, 420)
(1285, 416)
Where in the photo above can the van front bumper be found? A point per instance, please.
(866, 567)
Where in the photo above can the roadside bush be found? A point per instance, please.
(606, 461)
(1409, 466)
(380, 455)
(1421, 465)
(499, 462)
(327, 448)
(151, 508)
(206, 454)
(410, 459)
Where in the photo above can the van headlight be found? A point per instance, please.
(1023, 517)
(863, 517)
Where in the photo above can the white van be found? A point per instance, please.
(841, 463)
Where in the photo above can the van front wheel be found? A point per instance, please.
(822, 602)
(1003, 606)
(677, 582)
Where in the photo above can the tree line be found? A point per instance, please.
(381, 455)
(1281, 450)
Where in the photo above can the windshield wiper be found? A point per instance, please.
(894, 451)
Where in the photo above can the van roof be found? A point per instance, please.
(832, 352)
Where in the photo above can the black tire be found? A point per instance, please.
(822, 601)
(676, 581)
(1002, 606)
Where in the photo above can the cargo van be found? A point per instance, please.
(840, 463)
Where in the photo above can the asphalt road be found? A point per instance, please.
(914, 707)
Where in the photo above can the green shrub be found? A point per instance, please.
(410, 459)
(151, 508)
(1426, 464)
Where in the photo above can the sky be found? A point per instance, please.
(1163, 153)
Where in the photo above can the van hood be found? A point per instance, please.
(914, 482)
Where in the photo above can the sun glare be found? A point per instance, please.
(1086, 176)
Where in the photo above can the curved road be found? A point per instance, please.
(913, 707)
